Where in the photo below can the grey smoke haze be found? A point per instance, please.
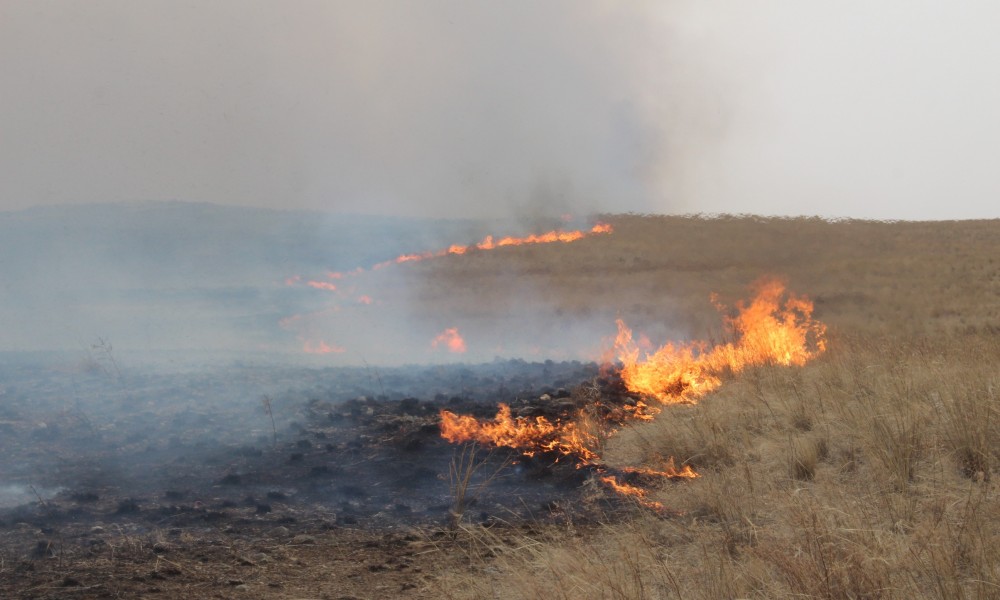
(472, 108)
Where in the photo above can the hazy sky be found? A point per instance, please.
(876, 109)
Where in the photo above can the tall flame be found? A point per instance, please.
(774, 328)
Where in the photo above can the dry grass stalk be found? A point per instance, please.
(465, 463)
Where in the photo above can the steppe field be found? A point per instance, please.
(866, 473)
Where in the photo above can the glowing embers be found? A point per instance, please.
(775, 327)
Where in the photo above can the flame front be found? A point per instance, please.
(490, 243)
(774, 328)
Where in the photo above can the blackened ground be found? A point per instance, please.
(108, 458)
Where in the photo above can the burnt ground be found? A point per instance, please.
(140, 483)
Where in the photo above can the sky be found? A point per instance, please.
(477, 108)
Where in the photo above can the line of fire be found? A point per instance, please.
(774, 326)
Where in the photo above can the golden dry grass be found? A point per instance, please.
(869, 473)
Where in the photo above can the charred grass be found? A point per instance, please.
(870, 473)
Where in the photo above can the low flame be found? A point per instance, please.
(450, 339)
(669, 470)
(348, 294)
(490, 243)
(530, 436)
(631, 491)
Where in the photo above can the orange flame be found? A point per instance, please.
(489, 243)
(775, 327)
(450, 339)
(631, 491)
(669, 470)
(528, 435)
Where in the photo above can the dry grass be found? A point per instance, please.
(869, 473)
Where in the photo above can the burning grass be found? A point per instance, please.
(878, 494)
(773, 328)
(867, 470)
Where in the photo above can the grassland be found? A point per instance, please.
(869, 473)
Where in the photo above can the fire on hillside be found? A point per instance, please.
(773, 327)
(348, 289)
(488, 243)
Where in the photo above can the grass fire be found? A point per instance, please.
(499, 300)
(800, 408)
(773, 328)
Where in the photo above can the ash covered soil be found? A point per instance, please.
(132, 483)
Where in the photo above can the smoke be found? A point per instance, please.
(16, 494)
(878, 110)
(524, 110)
(484, 109)
(436, 108)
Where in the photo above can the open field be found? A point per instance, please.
(868, 473)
